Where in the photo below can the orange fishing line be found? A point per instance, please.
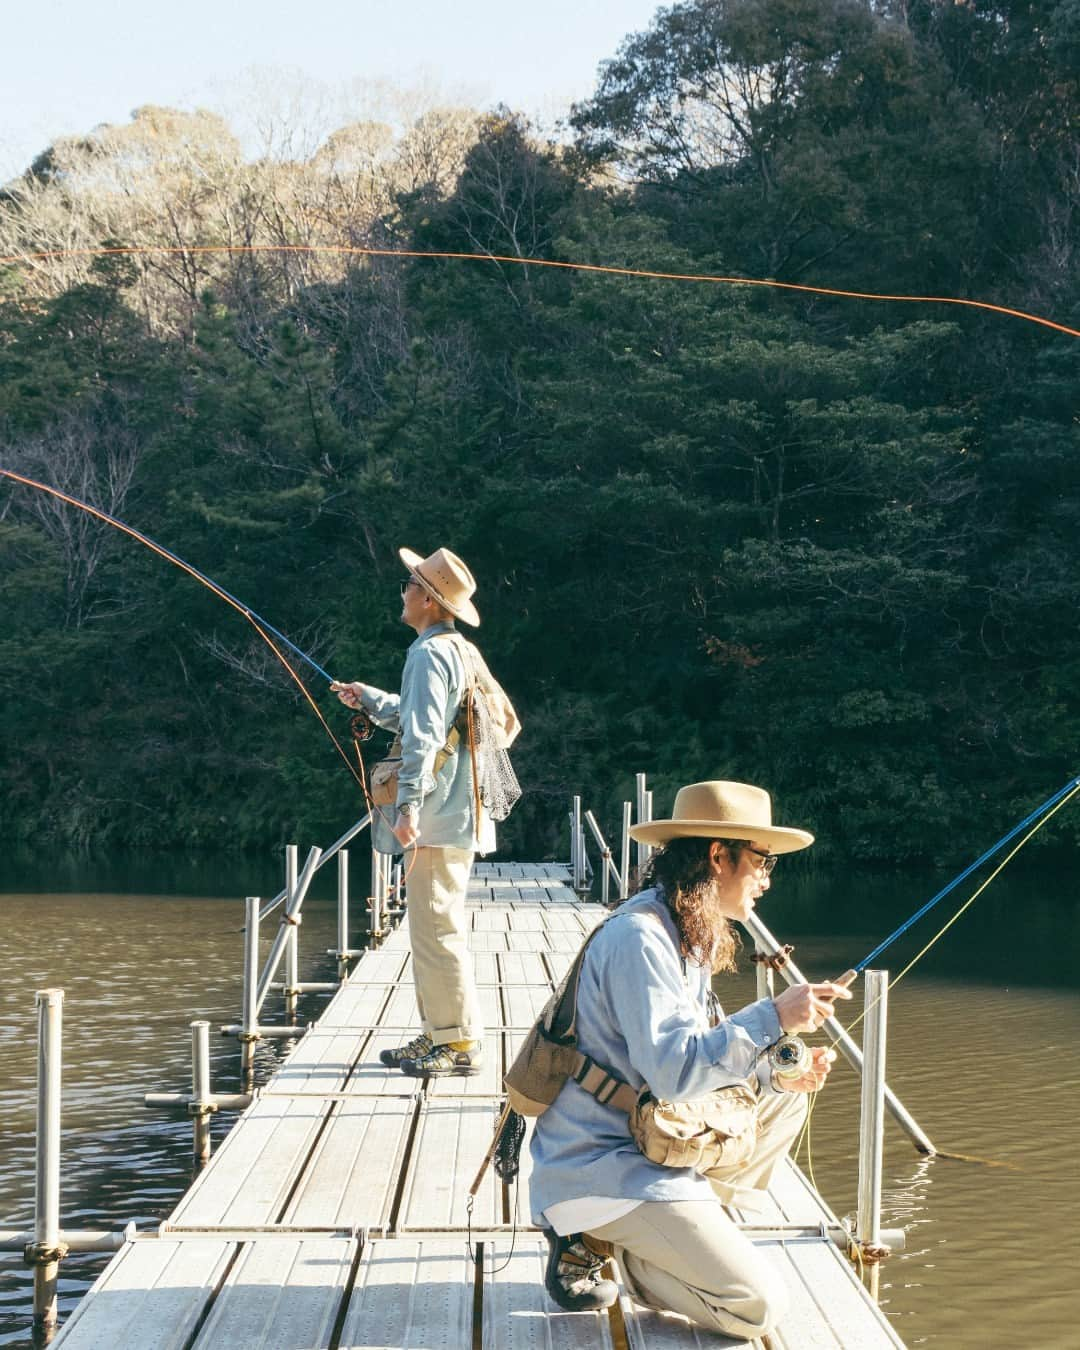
(358, 250)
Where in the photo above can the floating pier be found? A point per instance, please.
(335, 1212)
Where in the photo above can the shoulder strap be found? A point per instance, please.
(560, 1023)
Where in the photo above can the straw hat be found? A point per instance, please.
(446, 579)
(723, 811)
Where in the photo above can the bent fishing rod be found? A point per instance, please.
(261, 626)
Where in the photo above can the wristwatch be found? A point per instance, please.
(408, 810)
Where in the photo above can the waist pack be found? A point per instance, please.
(383, 779)
(713, 1132)
(710, 1134)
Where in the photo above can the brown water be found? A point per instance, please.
(983, 1038)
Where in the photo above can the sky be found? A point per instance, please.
(69, 65)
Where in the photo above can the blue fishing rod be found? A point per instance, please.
(1071, 786)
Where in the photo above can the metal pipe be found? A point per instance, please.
(76, 1240)
(872, 1116)
(579, 845)
(844, 1043)
(289, 919)
(202, 1104)
(291, 1033)
(292, 937)
(332, 852)
(181, 1101)
(639, 804)
(47, 1244)
(624, 860)
(647, 849)
(343, 914)
(607, 865)
(376, 892)
(249, 1009)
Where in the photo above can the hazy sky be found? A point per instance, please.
(69, 65)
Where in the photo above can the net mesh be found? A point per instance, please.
(499, 786)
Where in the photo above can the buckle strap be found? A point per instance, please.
(602, 1084)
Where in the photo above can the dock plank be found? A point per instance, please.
(280, 1295)
(351, 1178)
(410, 1294)
(151, 1295)
(247, 1182)
(451, 1140)
(517, 1313)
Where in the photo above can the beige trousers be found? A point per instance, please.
(689, 1257)
(438, 935)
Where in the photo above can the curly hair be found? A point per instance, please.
(683, 872)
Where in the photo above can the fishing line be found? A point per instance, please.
(260, 625)
(1064, 793)
(163, 552)
(192, 250)
(1055, 804)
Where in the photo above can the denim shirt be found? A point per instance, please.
(432, 684)
(642, 1013)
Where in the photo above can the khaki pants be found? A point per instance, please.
(438, 935)
(689, 1257)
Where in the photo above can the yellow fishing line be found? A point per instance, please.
(962, 1157)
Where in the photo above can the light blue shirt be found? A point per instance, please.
(432, 684)
(642, 1012)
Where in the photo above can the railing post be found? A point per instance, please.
(375, 921)
(791, 974)
(644, 815)
(872, 1121)
(47, 1250)
(202, 1106)
(292, 937)
(578, 842)
(343, 913)
(624, 860)
(249, 1012)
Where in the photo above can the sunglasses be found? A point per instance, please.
(768, 860)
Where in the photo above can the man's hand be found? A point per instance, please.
(405, 831)
(348, 693)
(804, 1007)
(813, 1080)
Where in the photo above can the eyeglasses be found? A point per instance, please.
(768, 860)
(409, 581)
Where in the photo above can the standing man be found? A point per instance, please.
(434, 816)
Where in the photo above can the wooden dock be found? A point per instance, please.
(334, 1213)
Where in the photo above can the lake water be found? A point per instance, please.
(983, 1037)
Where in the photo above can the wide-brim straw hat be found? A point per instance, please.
(719, 810)
(446, 579)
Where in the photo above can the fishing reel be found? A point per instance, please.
(789, 1057)
(361, 727)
